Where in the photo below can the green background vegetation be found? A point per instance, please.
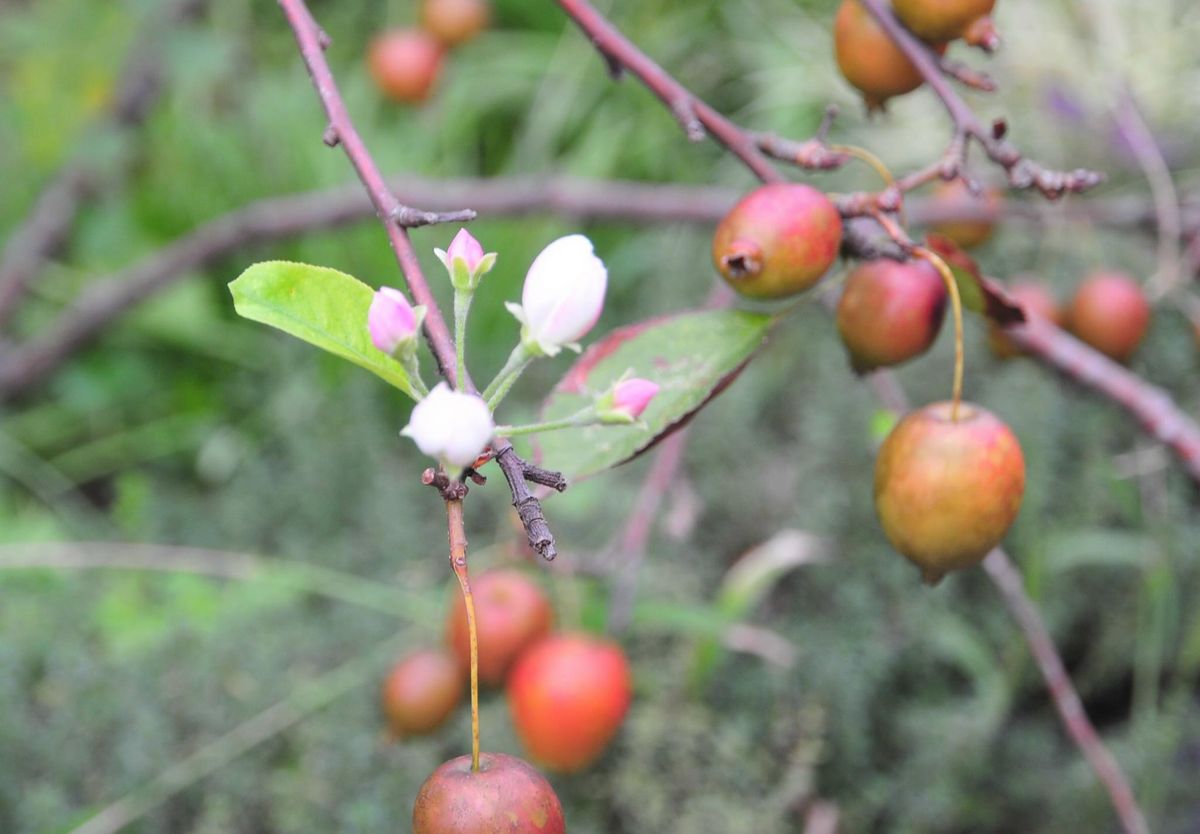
(914, 710)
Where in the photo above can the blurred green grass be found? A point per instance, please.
(913, 710)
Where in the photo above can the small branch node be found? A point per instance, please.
(684, 111)
(330, 137)
(410, 218)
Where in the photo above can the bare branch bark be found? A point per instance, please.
(48, 225)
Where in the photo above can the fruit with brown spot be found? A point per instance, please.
(568, 696)
(890, 312)
(511, 611)
(947, 491)
(505, 796)
(777, 241)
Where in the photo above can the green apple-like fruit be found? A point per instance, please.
(568, 696)
(946, 491)
(890, 312)
(511, 613)
(421, 692)
(777, 241)
(1110, 312)
(405, 64)
(505, 796)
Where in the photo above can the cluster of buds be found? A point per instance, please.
(561, 301)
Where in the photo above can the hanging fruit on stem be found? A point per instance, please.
(504, 795)
(890, 312)
(939, 21)
(947, 490)
(777, 241)
(869, 59)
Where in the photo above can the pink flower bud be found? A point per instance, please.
(631, 396)
(465, 246)
(451, 426)
(563, 294)
(465, 261)
(391, 320)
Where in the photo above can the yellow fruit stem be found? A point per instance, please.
(458, 563)
(866, 156)
(956, 303)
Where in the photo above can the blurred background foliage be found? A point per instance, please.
(913, 710)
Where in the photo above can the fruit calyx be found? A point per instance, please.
(743, 260)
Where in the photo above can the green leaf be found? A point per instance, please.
(322, 306)
(692, 356)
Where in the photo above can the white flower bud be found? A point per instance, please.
(451, 426)
(563, 295)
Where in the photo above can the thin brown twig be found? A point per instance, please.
(1007, 579)
(1153, 407)
(48, 225)
(397, 218)
(1022, 173)
(395, 215)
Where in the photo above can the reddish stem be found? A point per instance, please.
(389, 209)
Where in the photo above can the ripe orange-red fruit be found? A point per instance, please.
(421, 692)
(505, 796)
(568, 696)
(869, 59)
(454, 21)
(1037, 302)
(947, 491)
(938, 21)
(890, 312)
(1110, 312)
(405, 64)
(952, 197)
(511, 612)
(777, 241)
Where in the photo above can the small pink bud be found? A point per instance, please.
(465, 261)
(391, 320)
(631, 396)
(465, 246)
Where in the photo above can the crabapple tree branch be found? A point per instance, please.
(396, 217)
(48, 225)
(273, 219)
(619, 51)
(1022, 173)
